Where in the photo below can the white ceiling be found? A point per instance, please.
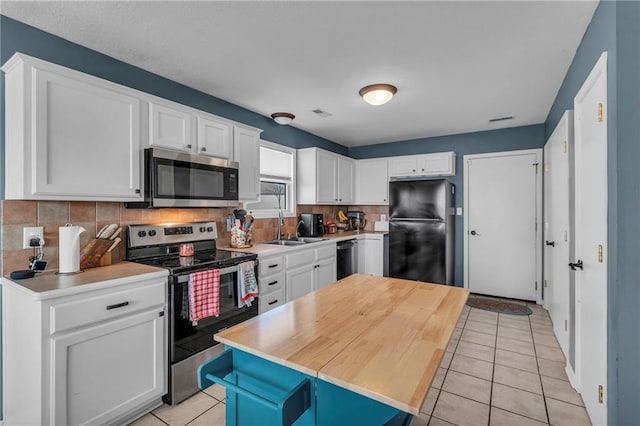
(456, 64)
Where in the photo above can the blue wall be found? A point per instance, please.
(16, 36)
(615, 28)
(512, 139)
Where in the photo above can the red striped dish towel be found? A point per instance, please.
(204, 295)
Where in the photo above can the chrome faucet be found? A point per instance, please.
(298, 228)
(280, 225)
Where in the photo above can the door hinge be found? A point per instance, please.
(600, 394)
(545, 283)
(566, 325)
(600, 253)
(536, 164)
(600, 112)
(564, 147)
(566, 236)
(546, 167)
(536, 285)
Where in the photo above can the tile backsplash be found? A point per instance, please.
(16, 214)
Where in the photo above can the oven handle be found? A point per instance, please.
(223, 271)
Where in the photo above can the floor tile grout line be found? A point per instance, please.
(544, 399)
(159, 418)
(205, 411)
(493, 372)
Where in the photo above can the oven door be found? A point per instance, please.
(187, 339)
(176, 179)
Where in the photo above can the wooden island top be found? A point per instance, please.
(379, 337)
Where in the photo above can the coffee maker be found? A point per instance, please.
(356, 220)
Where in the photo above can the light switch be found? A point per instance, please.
(459, 211)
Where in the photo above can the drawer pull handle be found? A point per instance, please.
(273, 282)
(273, 266)
(117, 305)
(273, 302)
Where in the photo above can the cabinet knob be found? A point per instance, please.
(189, 145)
(340, 199)
(414, 170)
(423, 170)
(203, 149)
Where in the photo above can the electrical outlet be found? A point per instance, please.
(29, 233)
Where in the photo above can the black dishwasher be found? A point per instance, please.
(347, 254)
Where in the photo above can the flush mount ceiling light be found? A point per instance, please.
(283, 118)
(378, 94)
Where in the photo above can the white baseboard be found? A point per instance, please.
(572, 377)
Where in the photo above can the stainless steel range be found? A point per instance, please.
(189, 344)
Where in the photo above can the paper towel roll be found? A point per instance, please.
(69, 249)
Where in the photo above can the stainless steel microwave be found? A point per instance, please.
(179, 179)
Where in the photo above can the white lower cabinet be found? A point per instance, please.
(93, 358)
(309, 269)
(271, 279)
(370, 254)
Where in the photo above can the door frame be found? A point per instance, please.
(538, 224)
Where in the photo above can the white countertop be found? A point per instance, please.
(263, 250)
(50, 284)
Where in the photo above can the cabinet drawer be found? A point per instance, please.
(270, 265)
(270, 301)
(272, 282)
(107, 304)
(326, 252)
(303, 257)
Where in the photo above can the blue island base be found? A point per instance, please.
(260, 392)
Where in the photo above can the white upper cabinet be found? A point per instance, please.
(69, 136)
(215, 138)
(175, 126)
(324, 177)
(437, 164)
(372, 181)
(246, 148)
(170, 126)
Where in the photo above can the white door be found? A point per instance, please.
(556, 227)
(346, 169)
(502, 201)
(591, 240)
(325, 272)
(299, 282)
(327, 184)
(170, 126)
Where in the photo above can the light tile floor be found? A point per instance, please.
(498, 370)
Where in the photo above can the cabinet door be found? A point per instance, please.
(372, 181)
(87, 141)
(325, 272)
(374, 255)
(101, 372)
(170, 127)
(439, 164)
(299, 282)
(326, 182)
(346, 169)
(214, 138)
(403, 166)
(246, 151)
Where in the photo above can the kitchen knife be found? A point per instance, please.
(116, 233)
(104, 228)
(108, 232)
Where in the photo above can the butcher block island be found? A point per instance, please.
(363, 350)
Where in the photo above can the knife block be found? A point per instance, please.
(95, 254)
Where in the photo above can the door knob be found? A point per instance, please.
(550, 243)
(474, 233)
(578, 264)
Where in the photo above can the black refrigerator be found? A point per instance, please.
(421, 230)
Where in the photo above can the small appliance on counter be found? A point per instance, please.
(311, 225)
(357, 222)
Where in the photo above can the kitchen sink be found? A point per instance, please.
(286, 242)
(296, 242)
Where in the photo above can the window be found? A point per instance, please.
(277, 181)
